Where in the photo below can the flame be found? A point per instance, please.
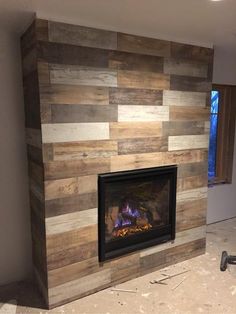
(131, 230)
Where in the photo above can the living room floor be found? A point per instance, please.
(199, 287)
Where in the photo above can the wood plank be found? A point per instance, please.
(34, 154)
(85, 149)
(74, 94)
(43, 73)
(143, 45)
(82, 36)
(191, 52)
(71, 221)
(72, 55)
(188, 83)
(182, 237)
(131, 61)
(79, 286)
(69, 132)
(188, 142)
(192, 195)
(122, 130)
(70, 272)
(41, 29)
(138, 161)
(34, 137)
(179, 98)
(191, 214)
(70, 204)
(193, 168)
(142, 145)
(185, 67)
(140, 113)
(189, 113)
(192, 182)
(80, 75)
(138, 79)
(75, 168)
(84, 113)
(134, 96)
(45, 113)
(60, 188)
(174, 128)
(29, 62)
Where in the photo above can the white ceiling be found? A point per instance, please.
(202, 22)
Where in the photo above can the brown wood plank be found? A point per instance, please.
(72, 55)
(188, 83)
(130, 96)
(130, 61)
(70, 204)
(74, 94)
(185, 67)
(189, 113)
(41, 29)
(179, 50)
(142, 145)
(35, 154)
(143, 45)
(148, 80)
(122, 130)
(68, 169)
(192, 182)
(84, 113)
(84, 149)
(171, 128)
(82, 36)
(193, 169)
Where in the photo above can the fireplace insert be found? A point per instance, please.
(136, 209)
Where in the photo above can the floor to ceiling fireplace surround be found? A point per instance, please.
(97, 104)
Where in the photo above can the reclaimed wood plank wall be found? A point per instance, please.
(98, 101)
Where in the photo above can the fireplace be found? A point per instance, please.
(136, 209)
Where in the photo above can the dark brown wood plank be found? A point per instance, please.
(189, 113)
(84, 113)
(124, 96)
(188, 83)
(191, 52)
(142, 145)
(193, 169)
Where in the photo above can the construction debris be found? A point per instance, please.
(166, 277)
(180, 283)
(123, 290)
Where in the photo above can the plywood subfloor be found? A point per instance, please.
(204, 289)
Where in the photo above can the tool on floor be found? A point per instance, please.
(160, 281)
(227, 259)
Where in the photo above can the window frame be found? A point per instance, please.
(225, 134)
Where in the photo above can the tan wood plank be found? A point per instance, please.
(138, 79)
(122, 130)
(142, 145)
(70, 132)
(142, 113)
(188, 142)
(143, 45)
(60, 188)
(74, 94)
(83, 113)
(193, 168)
(192, 182)
(85, 149)
(79, 75)
(189, 113)
(179, 98)
(135, 96)
(82, 36)
(192, 195)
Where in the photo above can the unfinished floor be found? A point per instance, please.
(203, 289)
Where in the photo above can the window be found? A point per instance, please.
(222, 128)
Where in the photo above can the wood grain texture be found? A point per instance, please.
(129, 61)
(134, 96)
(143, 45)
(122, 130)
(192, 182)
(192, 195)
(67, 169)
(84, 149)
(185, 67)
(138, 79)
(188, 142)
(34, 137)
(191, 52)
(179, 98)
(82, 36)
(69, 132)
(142, 145)
(68, 222)
(80, 75)
(189, 113)
(174, 128)
(84, 113)
(140, 113)
(188, 83)
(60, 188)
(193, 168)
(74, 94)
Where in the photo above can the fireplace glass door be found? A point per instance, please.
(136, 210)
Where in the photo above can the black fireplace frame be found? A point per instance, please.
(152, 237)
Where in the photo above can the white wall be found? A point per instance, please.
(15, 239)
(222, 198)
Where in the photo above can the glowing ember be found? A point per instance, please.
(130, 230)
